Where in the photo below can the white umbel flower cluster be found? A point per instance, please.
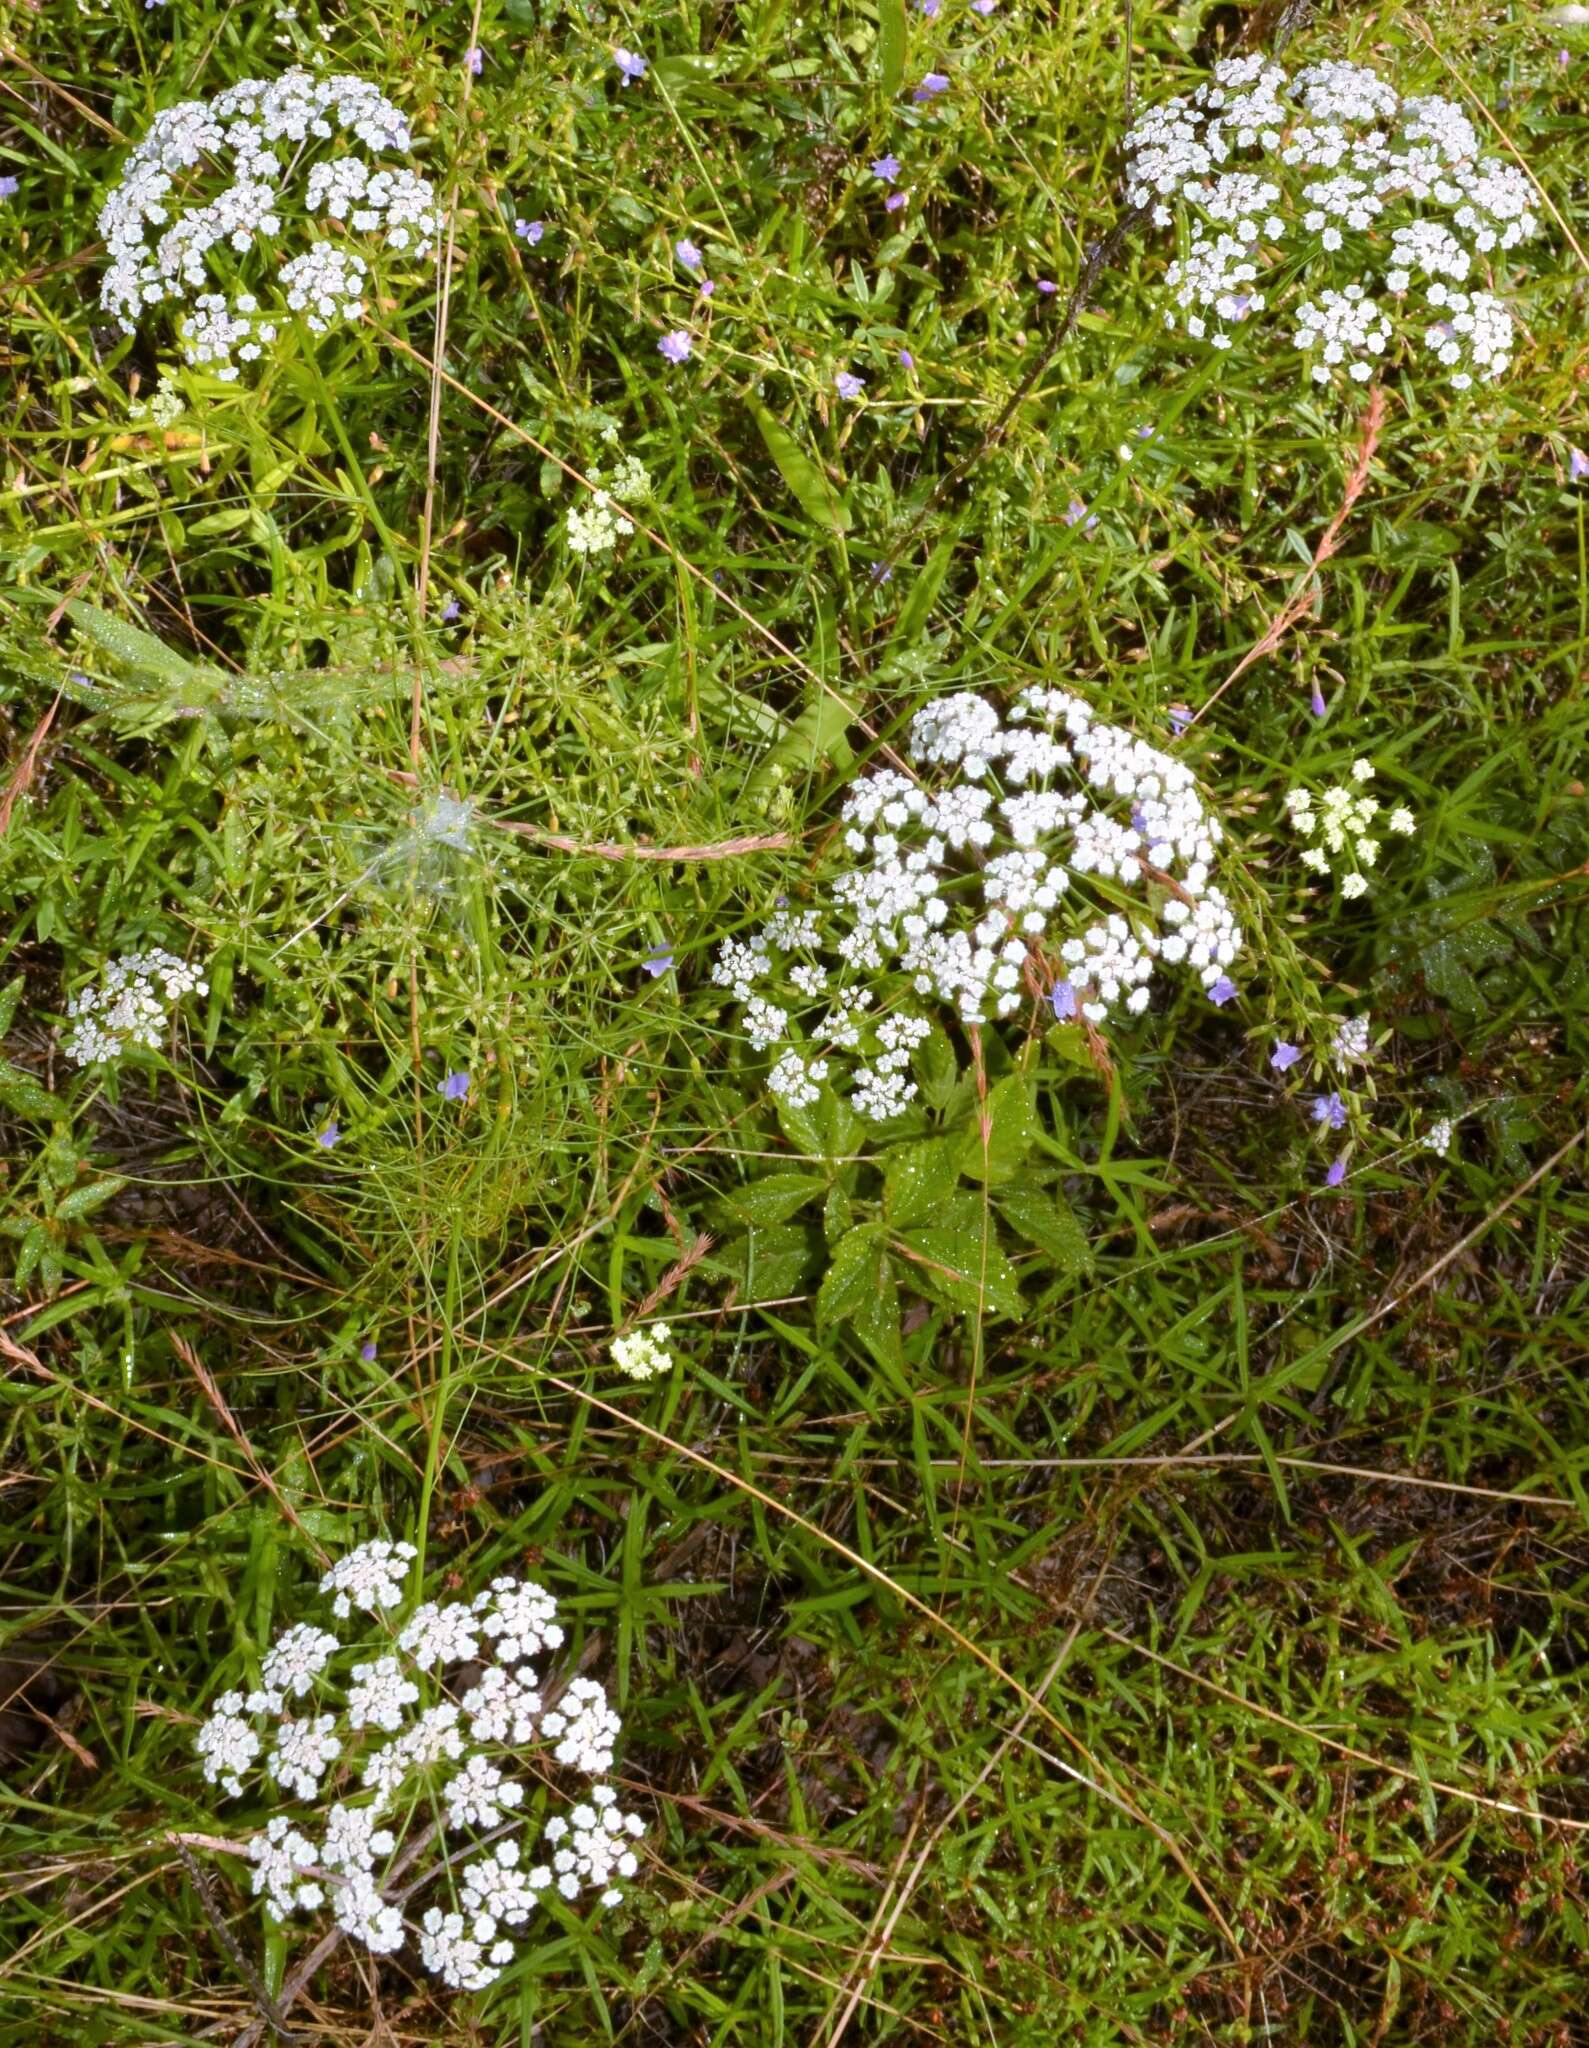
(598, 522)
(1372, 191)
(643, 1354)
(219, 179)
(1341, 825)
(366, 1728)
(129, 1005)
(1046, 853)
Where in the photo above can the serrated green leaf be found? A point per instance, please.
(1012, 1130)
(965, 1270)
(852, 1274)
(816, 496)
(773, 1199)
(918, 1179)
(1045, 1219)
(876, 1321)
(937, 1070)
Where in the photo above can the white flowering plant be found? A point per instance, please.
(384, 1754)
(1375, 225)
(1046, 857)
(212, 199)
(1344, 827)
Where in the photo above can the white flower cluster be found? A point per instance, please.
(1332, 166)
(643, 1354)
(317, 1726)
(129, 1005)
(1340, 825)
(597, 523)
(166, 221)
(966, 894)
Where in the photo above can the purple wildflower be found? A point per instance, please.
(1222, 991)
(882, 573)
(930, 8)
(934, 83)
(1316, 702)
(450, 611)
(886, 168)
(674, 348)
(367, 1351)
(629, 65)
(1047, 287)
(329, 1138)
(983, 7)
(895, 201)
(1577, 464)
(1331, 1110)
(475, 59)
(688, 254)
(1337, 1173)
(455, 1088)
(707, 287)
(1285, 1055)
(8, 188)
(848, 385)
(658, 961)
(906, 360)
(529, 231)
(1075, 512)
(1062, 997)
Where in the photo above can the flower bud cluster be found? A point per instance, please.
(130, 1005)
(401, 1743)
(1371, 191)
(1341, 826)
(217, 178)
(1053, 843)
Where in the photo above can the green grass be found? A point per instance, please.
(1174, 1630)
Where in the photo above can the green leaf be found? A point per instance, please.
(773, 1199)
(890, 44)
(1012, 1130)
(82, 1200)
(937, 1069)
(9, 997)
(1044, 1218)
(19, 1091)
(924, 594)
(918, 1179)
(953, 1265)
(852, 1275)
(129, 644)
(765, 1264)
(817, 497)
(876, 1321)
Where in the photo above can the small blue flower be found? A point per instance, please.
(450, 611)
(895, 201)
(329, 1138)
(930, 8)
(906, 360)
(688, 254)
(1180, 717)
(848, 385)
(1047, 287)
(1330, 1110)
(881, 573)
(674, 348)
(934, 83)
(886, 168)
(8, 188)
(1062, 998)
(1075, 513)
(529, 231)
(658, 961)
(983, 7)
(1222, 992)
(1316, 703)
(707, 288)
(1577, 461)
(454, 1088)
(475, 59)
(630, 66)
(1337, 1173)
(367, 1351)
(1284, 1056)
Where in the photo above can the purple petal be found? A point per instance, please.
(1284, 1056)
(454, 1088)
(329, 1138)
(1062, 998)
(367, 1351)
(1222, 992)
(1337, 1173)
